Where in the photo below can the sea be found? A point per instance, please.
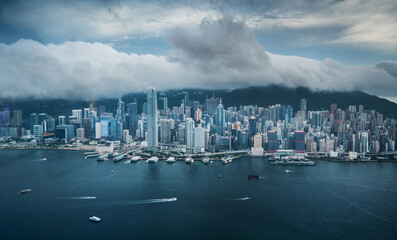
(332, 200)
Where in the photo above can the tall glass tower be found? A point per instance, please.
(152, 130)
(220, 120)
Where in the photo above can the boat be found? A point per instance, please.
(287, 170)
(256, 176)
(152, 160)
(89, 153)
(170, 160)
(135, 159)
(44, 159)
(227, 160)
(28, 190)
(206, 160)
(189, 160)
(93, 155)
(220, 176)
(95, 219)
(119, 157)
(293, 161)
(103, 157)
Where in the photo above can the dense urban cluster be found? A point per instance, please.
(208, 126)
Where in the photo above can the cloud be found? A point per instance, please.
(221, 44)
(355, 22)
(220, 54)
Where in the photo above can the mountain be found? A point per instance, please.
(261, 96)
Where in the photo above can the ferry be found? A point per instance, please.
(93, 155)
(227, 160)
(189, 160)
(206, 160)
(293, 161)
(28, 190)
(103, 157)
(152, 160)
(95, 219)
(135, 159)
(170, 160)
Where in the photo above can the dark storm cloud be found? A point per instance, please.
(219, 44)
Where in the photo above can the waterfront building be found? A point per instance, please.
(152, 129)
(80, 133)
(38, 133)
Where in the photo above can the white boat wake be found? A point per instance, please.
(84, 198)
(40, 160)
(159, 200)
(241, 199)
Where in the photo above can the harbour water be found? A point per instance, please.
(332, 200)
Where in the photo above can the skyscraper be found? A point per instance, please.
(152, 130)
(304, 107)
(220, 120)
(189, 132)
(133, 117)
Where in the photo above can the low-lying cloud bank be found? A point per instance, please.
(220, 54)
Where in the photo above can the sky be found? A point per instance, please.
(98, 49)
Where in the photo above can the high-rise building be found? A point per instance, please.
(273, 141)
(252, 126)
(152, 130)
(80, 133)
(220, 120)
(33, 120)
(299, 139)
(304, 107)
(61, 120)
(165, 130)
(78, 113)
(97, 130)
(132, 109)
(104, 121)
(197, 115)
(17, 117)
(199, 139)
(38, 132)
(189, 132)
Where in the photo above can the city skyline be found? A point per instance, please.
(209, 127)
(125, 47)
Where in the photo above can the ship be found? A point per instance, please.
(28, 190)
(227, 160)
(135, 159)
(170, 160)
(95, 219)
(152, 160)
(286, 161)
(189, 160)
(206, 160)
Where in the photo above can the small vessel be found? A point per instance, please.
(95, 219)
(189, 160)
(220, 176)
(227, 160)
(287, 170)
(152, 160)
(28, 190)
(170, 160)
(256, 176)
(44, 159)
(135, 159)
(206, 160)
(113, 171)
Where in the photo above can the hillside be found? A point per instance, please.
(261, 96)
